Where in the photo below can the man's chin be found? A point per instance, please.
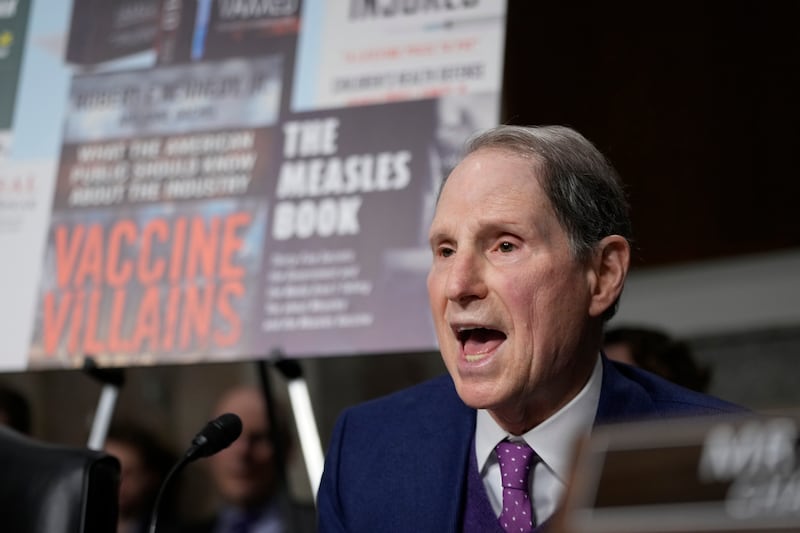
(477, 395)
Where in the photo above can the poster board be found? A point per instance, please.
(212, 180)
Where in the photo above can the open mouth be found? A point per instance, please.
(478, 342)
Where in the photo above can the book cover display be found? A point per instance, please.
(219, 179)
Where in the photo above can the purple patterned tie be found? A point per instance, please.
(516, 460)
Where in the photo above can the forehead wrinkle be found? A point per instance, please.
(519, 213)
(514, 206)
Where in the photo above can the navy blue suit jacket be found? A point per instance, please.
(399, 463)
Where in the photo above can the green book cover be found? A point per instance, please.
(13, 23)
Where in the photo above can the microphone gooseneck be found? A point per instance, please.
(217, 435)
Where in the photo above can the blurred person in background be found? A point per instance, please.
(657, 352)
(247, 475)
(144, 463)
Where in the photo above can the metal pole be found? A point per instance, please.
(112, 380)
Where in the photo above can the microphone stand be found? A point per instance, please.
(177, 467)
(217, 435)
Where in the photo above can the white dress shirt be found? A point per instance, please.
(553, 440)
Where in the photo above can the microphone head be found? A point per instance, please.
(217, 435)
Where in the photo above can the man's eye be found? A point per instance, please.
(446, 252)
(506, 246)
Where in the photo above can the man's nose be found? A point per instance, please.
(465, 277)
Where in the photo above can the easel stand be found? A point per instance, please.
(300, 400)
(310, 444)
(112, 380)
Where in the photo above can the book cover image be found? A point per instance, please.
(358, 53)
(104, 30)
(13, 29)
(192, 214)
(201, 30)
(163, 283)
(346, 254)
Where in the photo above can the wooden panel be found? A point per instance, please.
(696, 106)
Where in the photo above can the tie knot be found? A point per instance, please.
(516, 460)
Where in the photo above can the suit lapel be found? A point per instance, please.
(448, 446)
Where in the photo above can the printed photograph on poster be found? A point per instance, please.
(160, 283)
(360, 52)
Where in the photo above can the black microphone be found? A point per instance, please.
(217, 435)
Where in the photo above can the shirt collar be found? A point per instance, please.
(555, 438)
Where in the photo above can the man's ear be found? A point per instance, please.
(609, 268)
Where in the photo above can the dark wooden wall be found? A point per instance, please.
(697, 104)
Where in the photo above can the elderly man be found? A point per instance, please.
(530, 254)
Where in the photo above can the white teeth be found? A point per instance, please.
(475, 357)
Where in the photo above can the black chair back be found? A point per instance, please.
(48, 488)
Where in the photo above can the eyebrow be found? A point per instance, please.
(488, 228)
(439, 236)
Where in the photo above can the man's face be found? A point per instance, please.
(509, 301)
(244, 472)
